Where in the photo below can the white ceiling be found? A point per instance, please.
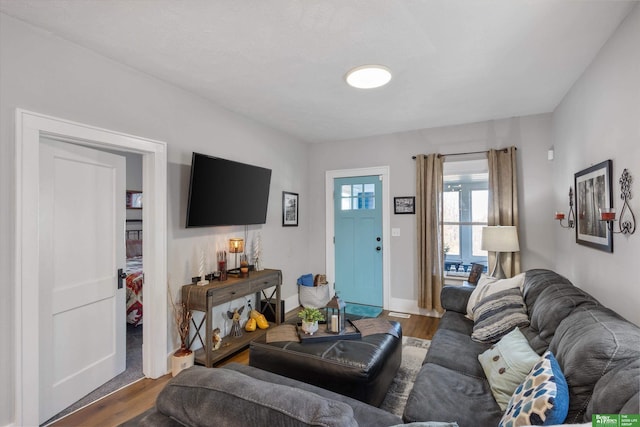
(282, 62)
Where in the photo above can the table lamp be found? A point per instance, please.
(236, 246)
(500, 239)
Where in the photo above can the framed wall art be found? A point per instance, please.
(593, 192)
(134, 199)
(289, 209)
(404, 205)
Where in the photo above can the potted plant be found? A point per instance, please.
(183, 357)
(310, 317)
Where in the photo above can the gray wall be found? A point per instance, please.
(599, 119)
(48, 75)
(532, 136)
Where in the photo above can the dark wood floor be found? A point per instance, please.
(140, 396)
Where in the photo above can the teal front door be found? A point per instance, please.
(358, 239)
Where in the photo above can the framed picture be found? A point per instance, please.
(404, 205)
(474, 275)
(134, 199)
(593, 191)
(289, 209)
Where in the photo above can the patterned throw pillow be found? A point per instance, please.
(488, 285)
(498, 314)
(541, 399)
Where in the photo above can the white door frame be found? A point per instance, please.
(29, 128)
(382, 171)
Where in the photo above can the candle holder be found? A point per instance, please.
(336, 315)
(571, 218)
(627, 220)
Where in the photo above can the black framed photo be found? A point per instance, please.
(404, 205)
(593, 192)
(289, 209)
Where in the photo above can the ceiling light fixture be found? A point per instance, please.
(368, 76)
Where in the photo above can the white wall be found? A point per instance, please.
(45, 74)
(599, 119)
(532, 136)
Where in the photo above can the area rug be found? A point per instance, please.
(363, 310)
(414, 351)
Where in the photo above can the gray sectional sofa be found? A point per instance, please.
(597, 350)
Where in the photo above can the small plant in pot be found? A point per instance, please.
(310, 317)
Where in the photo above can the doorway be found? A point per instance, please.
(358, 239)
(30, 128)
(381, 173)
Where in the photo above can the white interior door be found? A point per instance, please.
(82, 329)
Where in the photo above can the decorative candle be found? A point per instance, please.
(607, 214)
(560, 215)
(334, 323)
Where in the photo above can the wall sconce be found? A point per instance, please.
(236, 246)
(627, 221)
(571, 218)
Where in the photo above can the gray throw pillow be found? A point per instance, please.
(498, 314)
(201, 396)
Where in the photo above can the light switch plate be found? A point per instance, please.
(395, 232)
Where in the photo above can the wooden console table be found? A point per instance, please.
(204, 298)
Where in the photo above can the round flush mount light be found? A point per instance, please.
(368, 76)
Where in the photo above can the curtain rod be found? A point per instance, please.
(464, 154)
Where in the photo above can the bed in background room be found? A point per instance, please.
(135, 276)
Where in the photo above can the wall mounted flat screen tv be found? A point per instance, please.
(224, 192)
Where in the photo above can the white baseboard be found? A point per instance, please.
(410, 306)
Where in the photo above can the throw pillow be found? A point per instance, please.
(541, 399)
(488, 285)
(498, 314)
(506, 364)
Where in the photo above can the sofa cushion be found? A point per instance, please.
(553, 304)
(541, 399)
(201, 396)
(589, 344)
(488, 285)
(506, 364)
(365, 415)
(537, 280)
(498, 314)
(446, 343)
(442, 394)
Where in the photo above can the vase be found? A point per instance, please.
(309, 327)
(180, 360)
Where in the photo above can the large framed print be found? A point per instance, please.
(593, 192)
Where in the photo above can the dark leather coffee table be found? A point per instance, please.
(362, 369)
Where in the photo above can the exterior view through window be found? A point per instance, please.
(465, 205)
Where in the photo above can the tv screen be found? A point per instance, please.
(224, 192)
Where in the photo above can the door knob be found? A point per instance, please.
(378, 239)
(378, 248)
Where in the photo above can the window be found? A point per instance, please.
(465, 205)
(358, 196)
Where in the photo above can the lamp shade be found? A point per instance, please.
(236, 245)
(500, 239)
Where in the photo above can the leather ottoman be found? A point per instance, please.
(362, 369)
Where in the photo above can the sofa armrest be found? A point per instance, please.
(455, 298)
